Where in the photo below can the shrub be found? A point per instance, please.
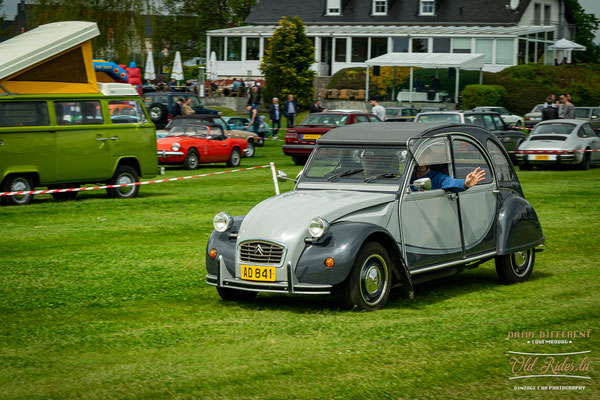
(481, 95)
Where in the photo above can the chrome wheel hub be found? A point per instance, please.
(373, 279)
(520, 262)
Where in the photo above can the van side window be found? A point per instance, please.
(125, 112)
(78, 112)
(24, 113)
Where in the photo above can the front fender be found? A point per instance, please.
(342, 243)
(518, 226)
(224, 243)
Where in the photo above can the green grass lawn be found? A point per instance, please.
(106, 299)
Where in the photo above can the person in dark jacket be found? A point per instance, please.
(177, 107)
(550, 110)
(316, 107)
(275, 116)
(290, 109)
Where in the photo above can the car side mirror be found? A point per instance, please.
(282, 177)
(422, 184)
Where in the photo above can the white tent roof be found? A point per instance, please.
(41, 43)
(564, 44)
(429, 60)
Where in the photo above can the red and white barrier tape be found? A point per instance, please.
(550, 151)
(128, 184)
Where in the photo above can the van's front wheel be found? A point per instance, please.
(124, 175)
(17, 183)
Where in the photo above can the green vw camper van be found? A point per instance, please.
(61, 123)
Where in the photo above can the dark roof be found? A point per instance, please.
(377, 133)
(405, 12)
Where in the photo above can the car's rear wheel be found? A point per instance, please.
(17, 183)
(523, 166)
(250, 149)
(124, 175)
(515, 267)
(191, 160)
(228, 294)
(299, 160)
(158, 113)
(586, 162)
(234, 158)
(368, 286)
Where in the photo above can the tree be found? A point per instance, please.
(287, 61)
(586, 24)
(121, 24)
(182, 24)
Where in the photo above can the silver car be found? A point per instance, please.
(358, 222)
(565, 141)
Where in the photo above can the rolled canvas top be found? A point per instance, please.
(41, 43)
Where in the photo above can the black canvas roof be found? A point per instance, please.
(405, 12)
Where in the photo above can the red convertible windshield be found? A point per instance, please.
(189, 130)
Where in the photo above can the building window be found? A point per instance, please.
(461, 45)
(234, 48)
(537, 14)
(379, 7)
(441, 45)
(427, 7)
(378, 46)
(217, 44)
(359, 49)
(547, 15)
(420, 45)
(340, 49)
(485, 47)
(400, 45)
(334, 7)
(252, 48)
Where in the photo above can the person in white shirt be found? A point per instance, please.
(378, 109)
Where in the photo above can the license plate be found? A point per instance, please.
(257, 273)
(311, 136)
(544, 158)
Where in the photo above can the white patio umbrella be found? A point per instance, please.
(149, 72)
(212, 67)
(564, 47)
(177, 71)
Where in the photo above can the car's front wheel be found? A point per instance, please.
(191, 160)
(299, 160)
(123, 176)
(368, 286)
(17, 183)
(515, 267)
(250, 149)
(234, 158)
(228, 294)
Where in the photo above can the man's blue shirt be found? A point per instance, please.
(440, 180)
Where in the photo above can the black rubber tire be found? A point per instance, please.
(250, 149)
(192, 160)
(525, 166)
(17, 183)
(516, 267)
(158, 113)
(64, 195)
(124, 174)
(369, 283)
(228, 294)
(299, 160)
(586, 162)
(260, 142)
(234, 158)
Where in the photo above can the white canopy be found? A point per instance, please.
(41, 43)
(429, 60)
(177, 72)
(149, 72)
(564, 44)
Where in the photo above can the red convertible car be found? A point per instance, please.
(199, 142)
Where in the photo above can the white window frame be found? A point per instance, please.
(379, 3)
(334, 7)
(427, 3)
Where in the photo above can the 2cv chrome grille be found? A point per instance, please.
(259, 252)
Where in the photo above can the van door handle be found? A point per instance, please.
(114, 138)
(452, 196)
(495, 192)
(101, 139)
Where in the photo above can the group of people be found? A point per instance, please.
(289, 110)
(171, 86)
(183, 107)
(561, 108)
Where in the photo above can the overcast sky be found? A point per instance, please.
(591, 6)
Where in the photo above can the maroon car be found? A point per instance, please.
(300, 140)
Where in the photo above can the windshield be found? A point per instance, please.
(189, 130)
(376, 165)
(538, 108)
(436, 118)
(325, 119)
(557, 129)
(582, 112)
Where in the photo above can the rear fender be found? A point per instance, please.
(518, 226)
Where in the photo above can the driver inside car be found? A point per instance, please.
(439, 180)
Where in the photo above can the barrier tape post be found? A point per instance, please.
(82, 189)
(274, 172)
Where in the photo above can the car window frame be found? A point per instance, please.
(482, 150)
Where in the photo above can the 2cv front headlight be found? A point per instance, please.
(222, 222)
(317, 227)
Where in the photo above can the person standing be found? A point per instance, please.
(254, 121)
(550, 110)
(275, 116)
(569, 109)
(254, 97)
(378, 109)
(290, 109)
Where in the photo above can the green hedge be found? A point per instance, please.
(482, 95)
